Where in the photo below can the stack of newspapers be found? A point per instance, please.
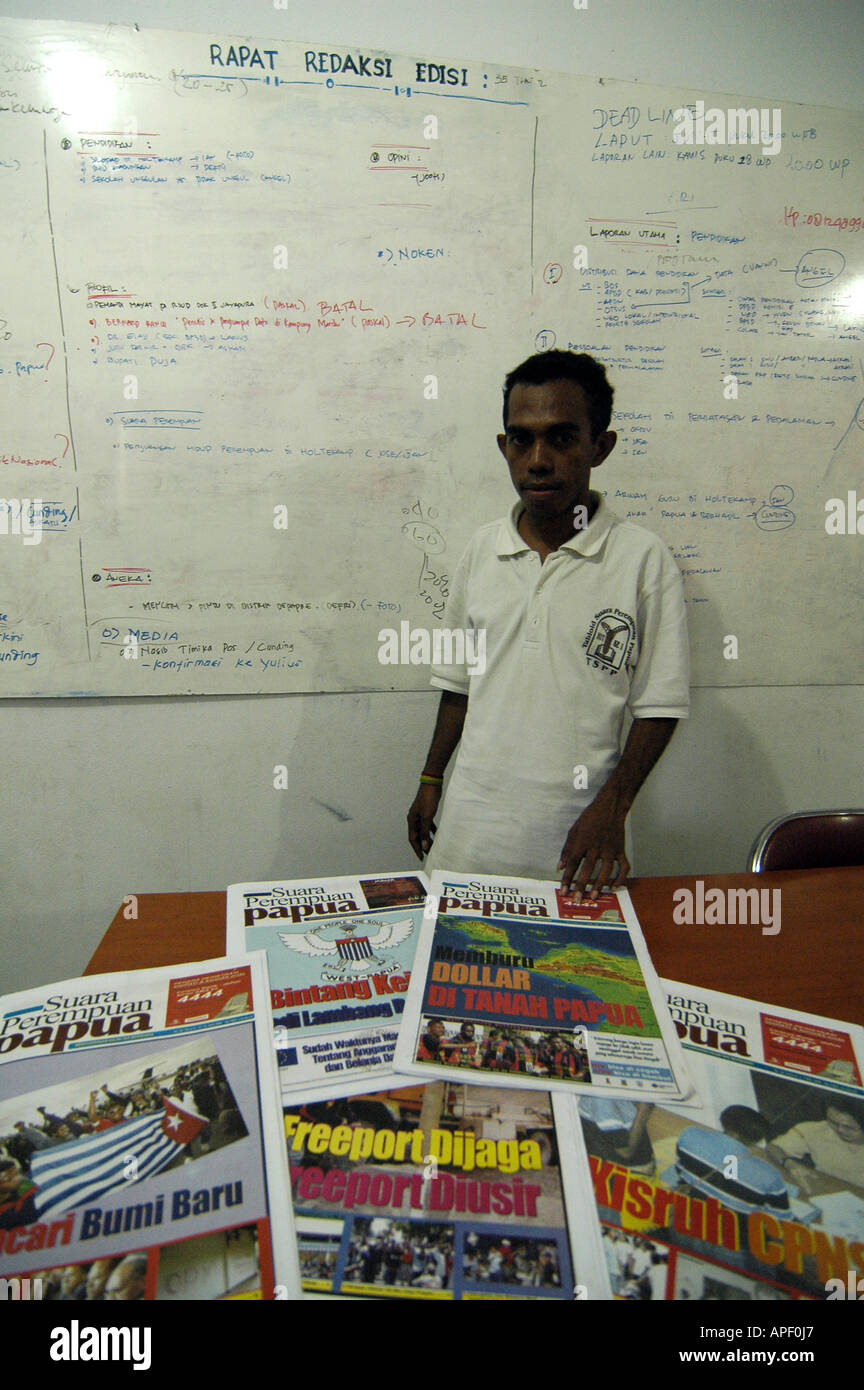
(468, 1088)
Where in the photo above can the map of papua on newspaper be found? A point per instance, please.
(759, 1193)
(516, 983)
(140, 1147)
(340, 953)
(442, 1192)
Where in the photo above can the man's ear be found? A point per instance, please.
(502, 444)
(603, 446)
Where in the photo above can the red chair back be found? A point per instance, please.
(810, 840)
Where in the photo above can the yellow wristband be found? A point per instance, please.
(431, 781)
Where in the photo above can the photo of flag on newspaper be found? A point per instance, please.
(81, 1141)
(90, 1167)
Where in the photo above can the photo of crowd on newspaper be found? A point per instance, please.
(489, 1258)
(510, 1050)
(407, 1254)
(122, 1279)
(127, 1123)
(638, 1268)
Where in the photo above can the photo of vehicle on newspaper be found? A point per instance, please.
(759, 1193)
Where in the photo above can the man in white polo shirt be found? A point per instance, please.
(584, 622)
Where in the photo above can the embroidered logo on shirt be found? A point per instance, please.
(610, 640)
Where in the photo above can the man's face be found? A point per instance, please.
(844, 1126)
(73, 1275)
(10, 1178)
(437, 1028)
(124, 1286)
(549, 448)
(97, 1277)
(468, 1031)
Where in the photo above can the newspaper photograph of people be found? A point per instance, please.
(759, 1193)
(140, 1155)
(443, 1191)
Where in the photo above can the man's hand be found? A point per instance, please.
(803, 1175)
(596, 842)
(421, 823)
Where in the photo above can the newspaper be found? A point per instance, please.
(140, 1147)
(757, 1195)
(340, 953)
(443, 1191)
(517, 984)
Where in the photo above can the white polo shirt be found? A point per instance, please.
(572, 645)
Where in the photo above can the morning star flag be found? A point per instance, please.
(85, 1169)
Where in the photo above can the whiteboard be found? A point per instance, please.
(256, 306)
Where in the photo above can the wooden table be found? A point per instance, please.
(815, 962)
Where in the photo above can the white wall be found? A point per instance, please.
(108, 797)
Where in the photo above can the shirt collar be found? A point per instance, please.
(587, 542)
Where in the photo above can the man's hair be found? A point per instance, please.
(136, 1265)
(746, 1121)
(578, 367)
(846, 1105)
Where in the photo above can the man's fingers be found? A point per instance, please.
(567, 867)
(586, 878)
(606, 878)
(623, 871)
(600, 880)
(575, 878)
(596, 874)
(415, 832)
(420, 834)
